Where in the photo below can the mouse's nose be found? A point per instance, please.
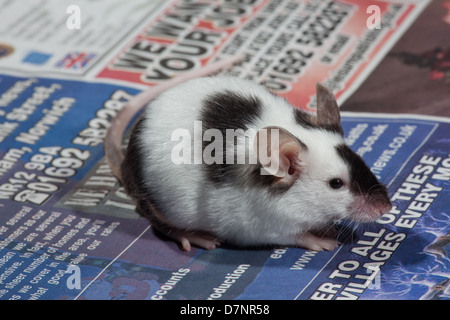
(385, 208)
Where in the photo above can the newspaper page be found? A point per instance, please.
(67, 228)
(66, 36)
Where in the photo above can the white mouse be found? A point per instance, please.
(296, 176)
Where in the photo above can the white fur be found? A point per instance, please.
(239, 213)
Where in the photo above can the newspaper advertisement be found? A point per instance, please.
(288, 46)
(69, 231)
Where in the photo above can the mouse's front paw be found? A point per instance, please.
(309, 241)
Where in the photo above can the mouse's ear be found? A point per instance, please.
(278, 153)
(328, 115)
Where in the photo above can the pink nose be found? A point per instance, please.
(384, 207)
(368, 210)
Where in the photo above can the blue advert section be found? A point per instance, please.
(405, 254)
(51, 132)
(68, 230)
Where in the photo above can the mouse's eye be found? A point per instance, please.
(336, 183)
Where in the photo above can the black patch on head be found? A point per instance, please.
(363, 181)
(335, 128)
(228, 110)
(306, 120)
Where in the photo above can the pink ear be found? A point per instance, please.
(278, 153)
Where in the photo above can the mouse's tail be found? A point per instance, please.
(114, 136)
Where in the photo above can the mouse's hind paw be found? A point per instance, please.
(187, 239)
(198, 239)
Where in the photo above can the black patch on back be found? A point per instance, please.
(228, 110)
(363, 181)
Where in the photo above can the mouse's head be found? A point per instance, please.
(317, 171)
